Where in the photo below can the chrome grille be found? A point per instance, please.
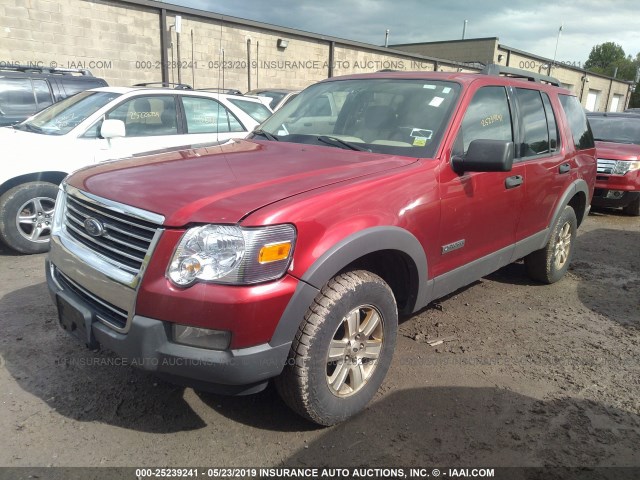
(104, 311)
(606, 166)
(125, 241)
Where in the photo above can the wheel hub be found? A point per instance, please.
(353, 351)
(34, 219)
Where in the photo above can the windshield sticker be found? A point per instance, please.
(496, 117)
(446, 90)
(419, 142)
(436, 101)
(430, 87)
(421, 133)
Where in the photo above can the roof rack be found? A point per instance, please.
(228, 91)
(175, 86)
(33, 68)
(495, 69)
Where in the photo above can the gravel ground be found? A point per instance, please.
(526, 375)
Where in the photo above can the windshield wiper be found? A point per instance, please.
(27, 126)
(267, 135)
(336, 142)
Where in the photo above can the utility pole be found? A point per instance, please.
(386, 38)
(464, 28)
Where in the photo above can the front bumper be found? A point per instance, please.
(601, 198)
(148, 345)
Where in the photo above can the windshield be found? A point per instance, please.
(256, 110)
(380, 115)
(616, 129)
(60, 118)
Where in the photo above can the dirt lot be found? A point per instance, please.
(529, 375)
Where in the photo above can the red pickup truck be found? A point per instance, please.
(289, 256)
(617, 138)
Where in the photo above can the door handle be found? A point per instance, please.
(513, 182)
(564, 168)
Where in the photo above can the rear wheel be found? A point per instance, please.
(549, 264)
(26, 216)
(342, 350)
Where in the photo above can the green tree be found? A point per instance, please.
(609, 58)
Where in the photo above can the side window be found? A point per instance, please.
(147, 116)
(488, 117)
(205, 115)
(16, 97)
(535, 140)
(582, 136)
(43, 94)
(554, 144)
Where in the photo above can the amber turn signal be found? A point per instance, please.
(274, 252)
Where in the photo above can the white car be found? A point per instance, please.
(103, 124)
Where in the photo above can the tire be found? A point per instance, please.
(327, 385)
(549, 264)
(26, 215)
(633, 208)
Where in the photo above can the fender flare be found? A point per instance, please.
(340, 255)
(576, 186)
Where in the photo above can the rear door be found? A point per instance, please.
(480, 210)
(547, 165)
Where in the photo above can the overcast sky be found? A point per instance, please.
(522, 24)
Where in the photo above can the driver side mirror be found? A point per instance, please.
(112, 128)
(485, 156)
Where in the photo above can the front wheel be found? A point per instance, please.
(549, 264)
(342, 350)
(26, 216)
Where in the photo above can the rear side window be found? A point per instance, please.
(582, 136)
(488, 117)
(540, 133)
(16, 97)
(205, 115)
(535, 139)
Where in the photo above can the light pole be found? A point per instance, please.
(464, 28)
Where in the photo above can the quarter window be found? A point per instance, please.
(582, 136)
(488, 117)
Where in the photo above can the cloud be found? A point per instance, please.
(520, 24)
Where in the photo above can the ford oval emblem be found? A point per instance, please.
(94, 227)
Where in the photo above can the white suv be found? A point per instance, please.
(104, 124)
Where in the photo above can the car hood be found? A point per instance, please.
(14, 139)
(618, 151)
(224, 183)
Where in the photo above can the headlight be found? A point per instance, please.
(58, 212)
(232, 255)
(623, 167)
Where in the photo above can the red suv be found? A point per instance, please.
(617, 138)
(289, 256)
